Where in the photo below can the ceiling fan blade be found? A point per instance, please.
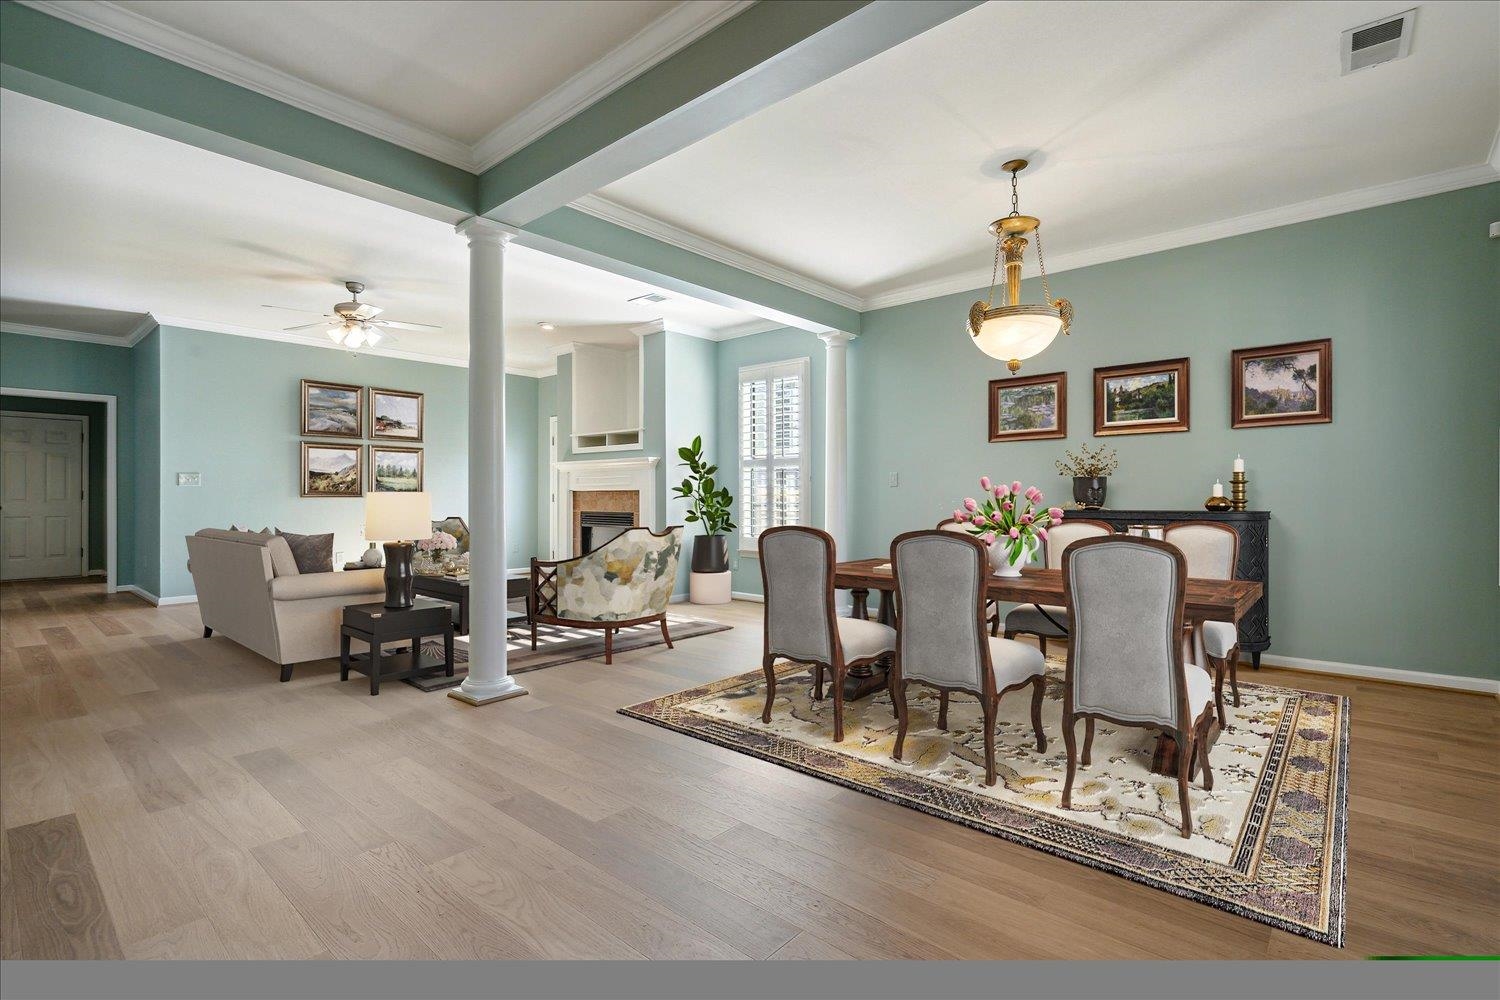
(367, 311)
(293, 309)
(392, 324)
(305, 326)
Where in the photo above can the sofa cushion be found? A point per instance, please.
(283, 563)
(313, 553)
(353, 582)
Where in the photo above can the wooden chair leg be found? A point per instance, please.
(1088, 740)
(1038, 692)
(991, 709)
(767, 664)
(1042, 641)
(1201, 738)
(890, 684)
(1234, 673)
(1185, 752)
(1218, 666)
(901, 719)
(817, 682)
(838, 704)
(943, 710)
(666, 636)
(533, 635)
(1070, 740)
(609, 645)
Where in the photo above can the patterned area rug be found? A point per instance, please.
(1268, 841)
(556, 644)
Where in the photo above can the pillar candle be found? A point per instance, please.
(1239, 464)
(1218, 488)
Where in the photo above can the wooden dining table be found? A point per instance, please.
(1204, 600)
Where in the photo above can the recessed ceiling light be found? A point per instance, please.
(649, 297)
(546, 326)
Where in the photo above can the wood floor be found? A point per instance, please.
(163, 796)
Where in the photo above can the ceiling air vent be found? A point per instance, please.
(1377, 42)
(649, 297)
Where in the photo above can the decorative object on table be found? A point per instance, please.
(376, 624)
(395, 470)
(1090, 469)
(1282, 384)
(1237, 495)
(1029, 409)
(1271, 855)
(311, 553)
(434, 553)
(1149, 398)
(372, 558)
(332, 470)
(331, 409)
(1217, 501)
(709, 505)
(458, 528)
(1010, 521)
(394, 518)
(1012, 332)
(396, 415)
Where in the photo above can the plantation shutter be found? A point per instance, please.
(774, 447)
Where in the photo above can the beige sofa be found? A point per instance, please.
(249, 590)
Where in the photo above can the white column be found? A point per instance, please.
(836, 436)
(488, 679)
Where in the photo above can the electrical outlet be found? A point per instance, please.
(1495, 230)
(189, 479)
(338, 558)
(894, 480)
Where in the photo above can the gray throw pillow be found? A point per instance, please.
(312, 553)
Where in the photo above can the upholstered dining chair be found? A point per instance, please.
(1125, 602)
(941, 640)
(801, 624)
(1212, 551)
(1049, 621)
(992, 609)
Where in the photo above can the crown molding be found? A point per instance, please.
(128, 340)
(668, 34)
(609, 211)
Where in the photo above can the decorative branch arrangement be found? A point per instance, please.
(1090, 463)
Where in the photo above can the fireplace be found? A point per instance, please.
(599, 515)
(595, 527)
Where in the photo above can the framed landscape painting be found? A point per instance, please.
(1282, 384)
(1030, 408)
(395, 470)
(332, 470)
(1150, 398)
(395, 415)
(331, 409)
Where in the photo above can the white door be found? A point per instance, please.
(41, 497)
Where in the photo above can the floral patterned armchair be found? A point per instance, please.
(626, 581)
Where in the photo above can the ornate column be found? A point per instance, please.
(488, 678)
(836, 436)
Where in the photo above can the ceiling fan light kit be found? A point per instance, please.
(353, 325)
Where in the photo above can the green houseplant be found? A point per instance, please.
(709, 505)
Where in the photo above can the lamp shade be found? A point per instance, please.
(397, 516)
(1017, 332)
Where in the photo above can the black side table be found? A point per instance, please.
(377, 624)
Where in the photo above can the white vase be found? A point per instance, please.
(1000, 561)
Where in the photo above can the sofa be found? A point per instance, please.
(250, 590)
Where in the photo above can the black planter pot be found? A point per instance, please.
(711, 554)
(1088, 491)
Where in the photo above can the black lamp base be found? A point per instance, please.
(400, 581)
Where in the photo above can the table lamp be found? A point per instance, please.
(392, 518)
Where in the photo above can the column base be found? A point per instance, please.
(484, 694)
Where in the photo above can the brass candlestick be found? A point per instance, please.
(1237, 499)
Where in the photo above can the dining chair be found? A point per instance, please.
(1212, 551)
(1125, 665)
(941, 640)
(1049, 621)
(801, 623)
(992, 608)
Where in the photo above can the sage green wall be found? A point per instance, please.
(1384, 535)
(229, 411)
(70, 366)
(98, 452)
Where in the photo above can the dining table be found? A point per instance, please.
(1204, 600)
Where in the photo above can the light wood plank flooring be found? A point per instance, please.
(163, 796)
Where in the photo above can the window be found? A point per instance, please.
(774, 445)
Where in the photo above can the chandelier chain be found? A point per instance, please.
(1015, 196)
(994, 273)
(1042, 264)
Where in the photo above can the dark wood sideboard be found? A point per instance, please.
(1254, 529)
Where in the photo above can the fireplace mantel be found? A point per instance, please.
(637, 474)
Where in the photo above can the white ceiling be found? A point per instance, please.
(99, 216)
(1143, 120)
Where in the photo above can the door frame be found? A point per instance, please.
(83, 475)
(111, 504)
(553, 529)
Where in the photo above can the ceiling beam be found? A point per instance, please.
(763, 55)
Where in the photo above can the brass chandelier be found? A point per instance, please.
(1014, 332)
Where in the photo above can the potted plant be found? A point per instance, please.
(1010, 520)
(1090, 471)
(709, 505)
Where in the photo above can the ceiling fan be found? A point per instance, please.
(353, 324)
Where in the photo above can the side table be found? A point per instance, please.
(377, 624)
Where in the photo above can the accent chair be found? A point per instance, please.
(1049, 621)
(1212, 551)
(941, 639)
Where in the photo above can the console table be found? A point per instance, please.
(1254, 529)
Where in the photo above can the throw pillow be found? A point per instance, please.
(312, 553)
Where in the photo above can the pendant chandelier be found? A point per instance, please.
(1014, 332)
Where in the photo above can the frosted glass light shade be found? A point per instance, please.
(398, 516)
(1016, 336)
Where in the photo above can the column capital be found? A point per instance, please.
(836, 338)
(479, 230)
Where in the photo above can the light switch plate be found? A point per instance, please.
(189, 479)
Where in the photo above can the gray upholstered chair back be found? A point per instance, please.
(794, 566)
(1065, 534)
(1209, 549)
(1125, 601)
(939, 593)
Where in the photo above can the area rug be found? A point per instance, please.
(557, 644)
(1268, 841)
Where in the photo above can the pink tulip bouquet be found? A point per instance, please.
(1009, 516)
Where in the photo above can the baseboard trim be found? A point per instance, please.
(1390, 675)
(189, 599)
(678, 599)
(98, 572)
(741, 595)
(150, 598)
